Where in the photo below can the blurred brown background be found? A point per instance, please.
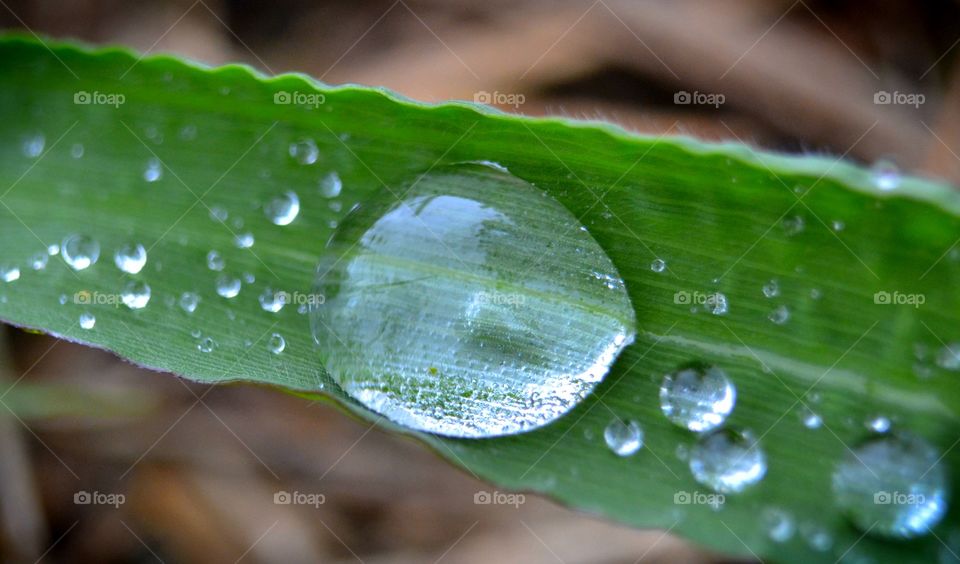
(198, 468)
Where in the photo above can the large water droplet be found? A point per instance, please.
(130, 258)
(728, 460)
(893, 485)
(283, 209)
(697, 397)
(80, 251)
(459, 310)
(135, 294)
(623, 437)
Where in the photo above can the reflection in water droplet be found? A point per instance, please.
(228, 286)
(80, 251)
(446, 315)
(276, 343)
(87, 320)
(331, 185)
(778, 524)
(697, 397)
(283, 209)
(9, 272)
(623, 437)
(135, 294)
(130, 258)
(894, 485)
(189, 302)
(215, 261)
(304, 151)
(728, 460)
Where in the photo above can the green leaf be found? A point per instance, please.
(723, 217)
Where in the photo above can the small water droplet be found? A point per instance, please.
(624, 438)
(76, 151)
(206, 344)
(793, 225)
(130, 258)
(837, 225)
(778, 524)
(810, 419)
(878, 424)
(817, 537)
(215, 261)
(892, 485)
(9, 272)
(228, 286)
(62, 299)
(249, 278)
(886, 175)
(219, 213)
(188, 132)
(948, 357)
(153, 171)
(135, 294)
(771, 289)
(80, 251)
(276, 343)
(189, 301)
(658, 265)
(33, 146)
(53, 249)
(304, 151)
(243, 240)
(271, 300)
(682, 452)
(87, 320)
(717, 304)
(38, 261)
(815, 294)
(728, 460)
(780, 315)
(283, 209)
(697, 397)
(331, 185)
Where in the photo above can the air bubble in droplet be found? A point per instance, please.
(80, 251)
